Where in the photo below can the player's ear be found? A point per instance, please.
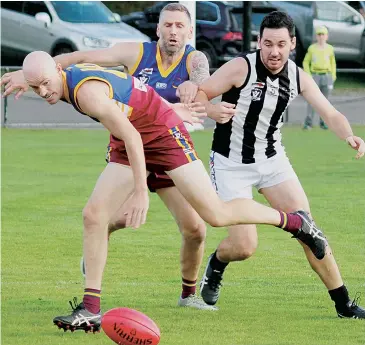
(158, 30)
(293, 43)
(190, 35)
(258, 42)
(59, 67)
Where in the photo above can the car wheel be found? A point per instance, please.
(210, 54)
(62, 50)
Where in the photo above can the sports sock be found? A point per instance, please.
(92, 300)
(340, 296)
(290, 222)
(216, 264)
(188, 288)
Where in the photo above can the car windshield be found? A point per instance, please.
(83, 12)
(256, 20)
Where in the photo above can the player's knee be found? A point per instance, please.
(216, 220)
(245, 250)
(194, 232)
(92, 216)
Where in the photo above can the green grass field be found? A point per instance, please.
(272, 299)
(350, 82)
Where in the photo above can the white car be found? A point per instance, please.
(61, 26)
(346, 29)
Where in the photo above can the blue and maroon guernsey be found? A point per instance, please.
(149, 70)
(139, 102)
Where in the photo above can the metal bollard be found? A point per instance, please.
(5, 103)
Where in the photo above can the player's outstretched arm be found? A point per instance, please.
(120, 54)
(231, 74)
(198, 66)
(336, 121)
(93, 99)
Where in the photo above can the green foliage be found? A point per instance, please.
(272, 299)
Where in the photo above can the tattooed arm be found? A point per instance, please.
(199, 71)
(199, 68)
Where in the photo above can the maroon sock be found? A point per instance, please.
(188, 288)
(92, 300)
(290, 222)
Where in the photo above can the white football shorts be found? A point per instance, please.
(233, 180)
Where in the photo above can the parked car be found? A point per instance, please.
(302, 13)
(60, 27)
(218, 26)
(346, 29)
(358, 6)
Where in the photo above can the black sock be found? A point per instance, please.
(340, 296)
(216, 264)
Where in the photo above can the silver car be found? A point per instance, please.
(60, 27)
(346, 29)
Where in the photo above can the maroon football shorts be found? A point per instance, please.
(169, 150)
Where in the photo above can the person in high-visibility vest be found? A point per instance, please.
(320, 63)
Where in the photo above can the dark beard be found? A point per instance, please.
(168, 52)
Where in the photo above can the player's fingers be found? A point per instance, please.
(192, 95)
(223, 120)
(197, 120)
(360, 155)
(19, 93)
(351, 142)
(137, 219)
(197, 107)
(133, 219)
(228, 111)
(228, 105)
(199, 112)
(183, 97)
(5, 79)
(143, 216)
(128, 218)
(8, 91)
(187, 99)
(8, 85)
(361, 150)
(196, 104)
(361, 145)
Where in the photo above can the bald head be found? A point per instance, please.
(44, 76)
(36, 64)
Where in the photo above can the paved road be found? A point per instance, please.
(32, 111)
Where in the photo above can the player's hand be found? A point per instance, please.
(357, 144)
(221, 112)
(136, 209)
(187, 92)
(190, 113)
(14, 81)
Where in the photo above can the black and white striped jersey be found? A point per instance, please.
(253, 134)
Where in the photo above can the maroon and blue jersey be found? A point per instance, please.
(167, 144)
(149, 70)
(139, 102)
